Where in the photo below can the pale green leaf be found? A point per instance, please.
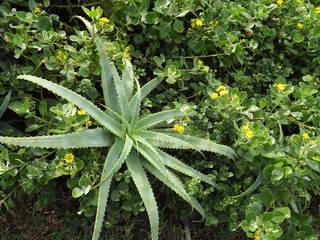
(144, 188)
(84, 139)
(128, 77)
(201, 144)
(79, 101)
(5, 103)
(173, 182)
(111, 160)
(179, 166)
(145, 90)
(108, 87)
(125, 152)
(156, 118)
(121, 93)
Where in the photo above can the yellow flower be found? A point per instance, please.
(221, 88)
(247, 131)
(305, 136)
(223, 92)
(280, 86)
(126, 53)
(82, 112)
(104, 21)
(61, 56)
(197, 22)
(69, 158)
(300, 26)
(179, 128)
(37, 10)
(257, 235)
(214, 95)
(316, 158)
(279, 2)
(88, 124)
(317, 10)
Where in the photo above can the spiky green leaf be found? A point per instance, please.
(79, 101)
(179, 166)
(155, 160)
(156, 118)
(84, 139)
(198, 144)
(108, 87)
(173, 182)
(123, 156)
(145, 90)
(111, 160)
(5, 103)
(121, 93)
(144, 188)
(128, 77)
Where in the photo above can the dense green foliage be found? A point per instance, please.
(247, 71)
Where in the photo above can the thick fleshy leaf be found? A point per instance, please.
(84, 139)
(145, 90)
(173, 182)
(135, 106)
(123, 156)
(128, 77)
(121, 93)
(111, 160)
(198, 144)
(108, 87)
(155, 160)
(79, 101)
(156, 118)
(142, 183)
(179, 166)
(5, 103)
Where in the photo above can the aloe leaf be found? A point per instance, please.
(128, 77)
(108, 87)
(121, 92)
(179, 166)
(155, 160)
(79, 101)
(145, 90)
(124, 154)
(111, 160)
(136, 106)
(160, 139)
(173, 182)
(5, 103)
(84, 139)
(200, 144)
(153, 119)
(252, 188)
(144, 188)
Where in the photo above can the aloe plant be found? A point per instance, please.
(132, 139)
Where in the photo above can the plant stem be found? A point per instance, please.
(187, 230)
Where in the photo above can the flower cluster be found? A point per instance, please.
(300, 25)
(69, 158)
(247, 131)
(279, 2)
(197, 22)
(104, 21)
(220, 92)
(179, 128)
(280, 86)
